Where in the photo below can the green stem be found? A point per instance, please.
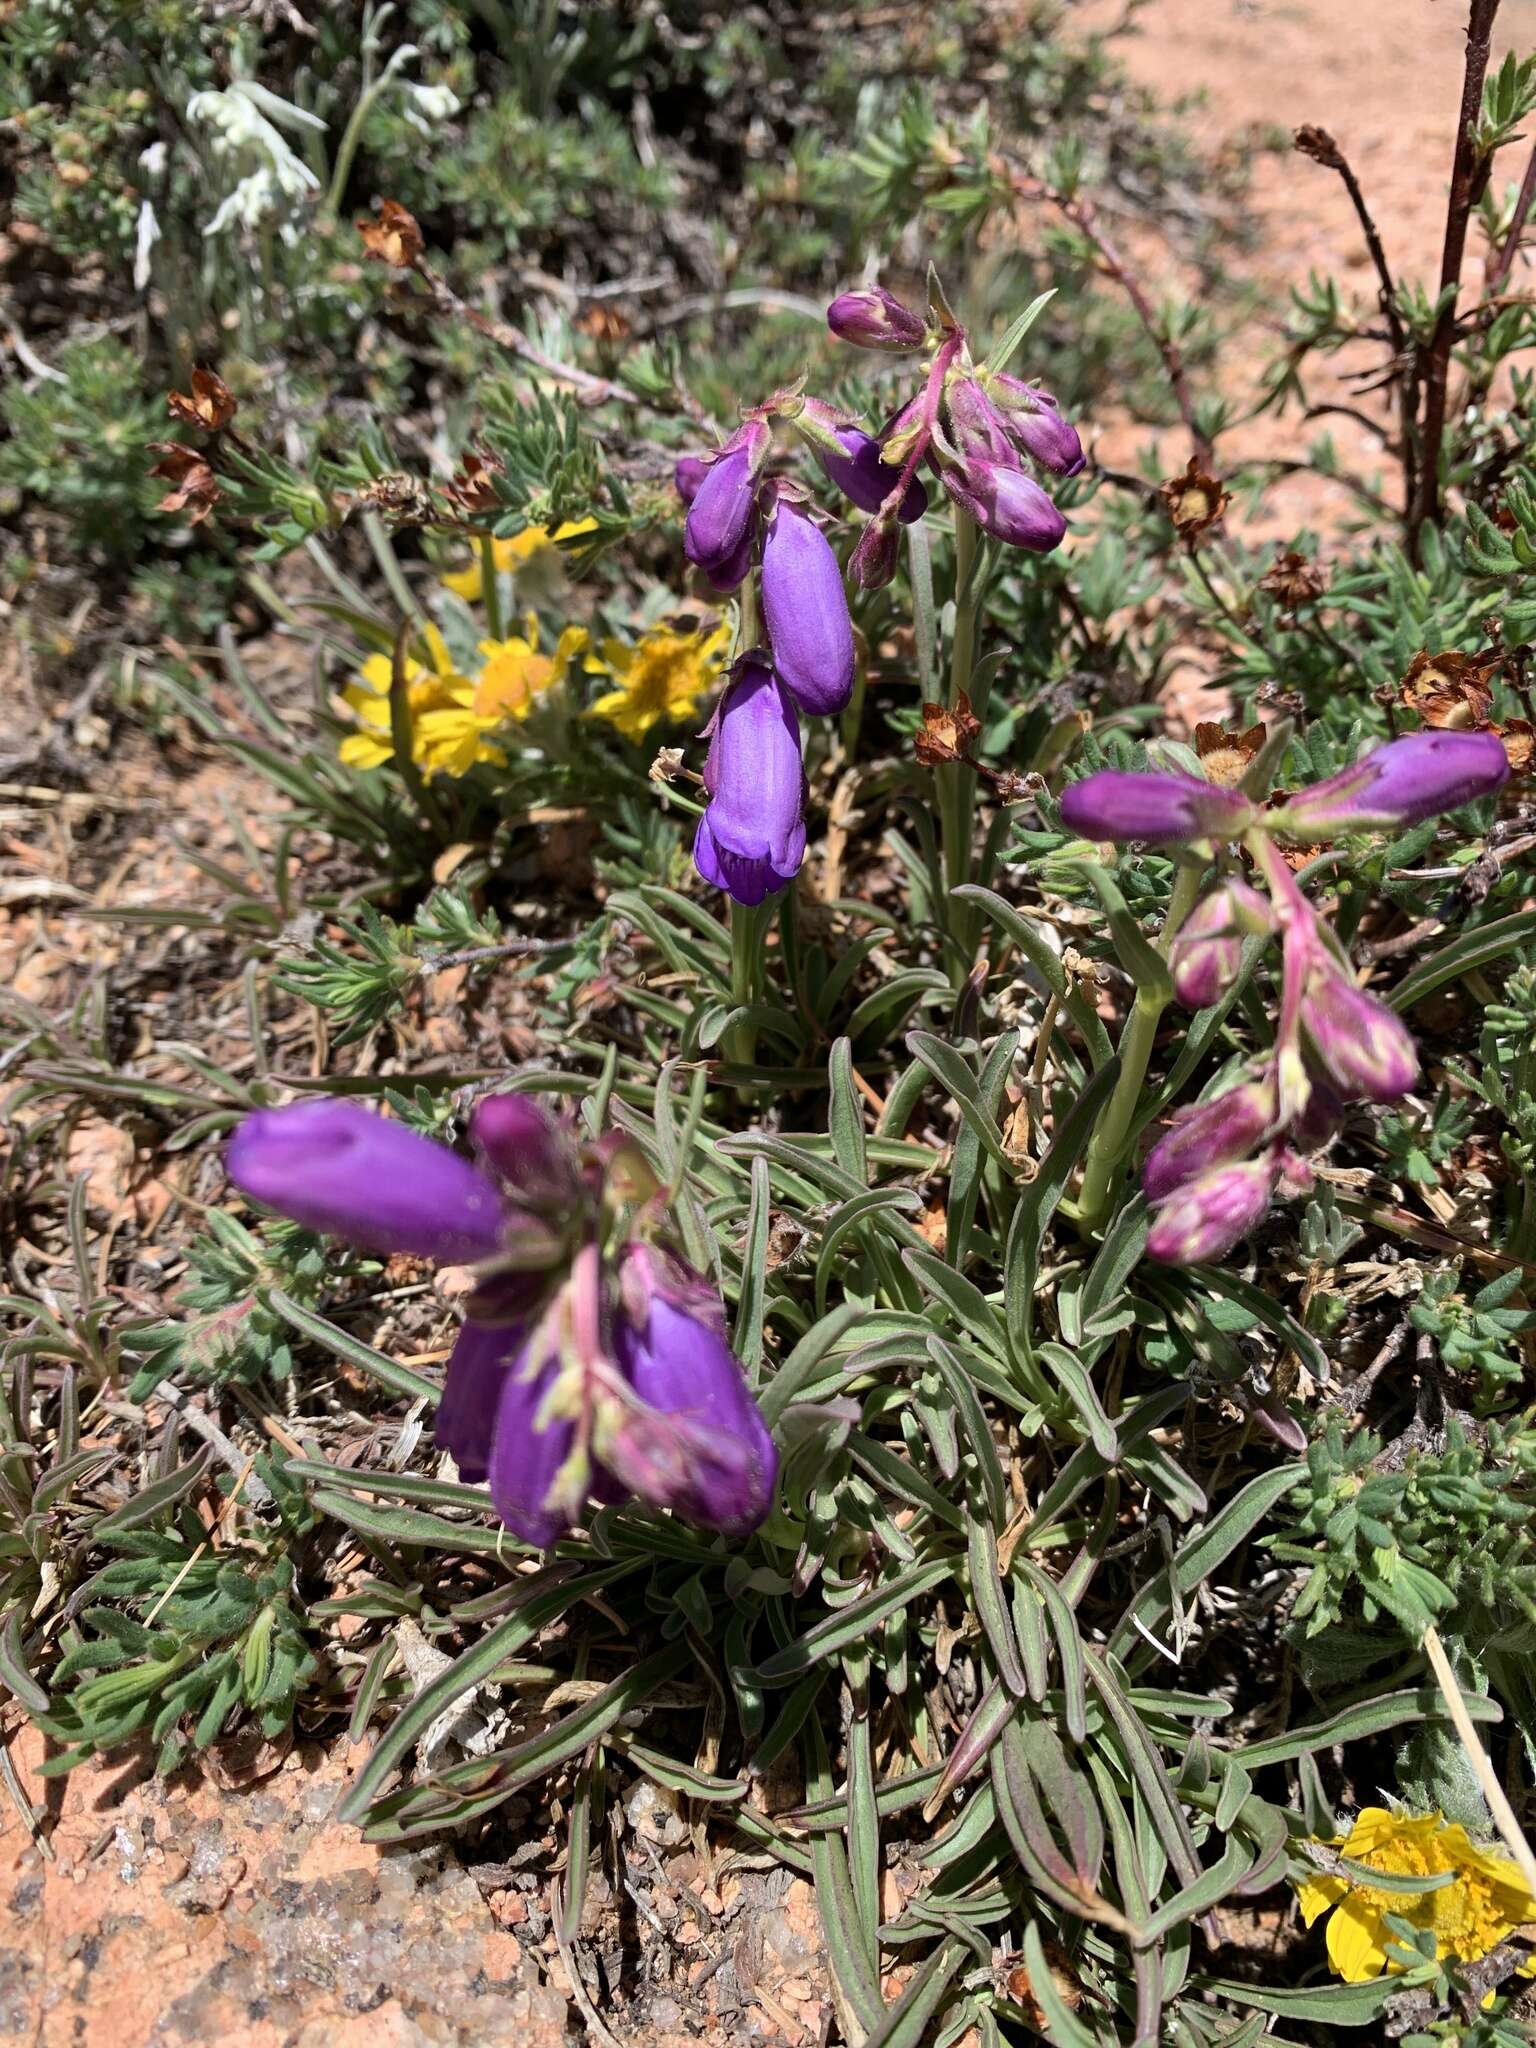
(749, 923)
(490, 590)
(1111, 1140)
(955, 782)
(389, 563)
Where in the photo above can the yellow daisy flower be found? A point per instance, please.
(452, 736)
(367, 698)
(661, 677)
(1484, 1901)
(515, 552)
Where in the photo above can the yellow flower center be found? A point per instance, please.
(1465, 1914)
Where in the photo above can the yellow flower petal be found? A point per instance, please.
(1318, 1894)
(1356, 1940)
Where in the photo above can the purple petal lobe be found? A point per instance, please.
(866, 479)
(1207, 1217)
(1365, 1049)
(465, 1426)
(525, 1460)
(1398, 784)
(1119, 805)
(343, 1170)
(751, 839)
(805, 608)
(690, 472)
(524, 1146)
(1211, 1134)
(1207, 954)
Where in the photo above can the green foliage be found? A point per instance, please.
(1474, 1334)
(79, 445)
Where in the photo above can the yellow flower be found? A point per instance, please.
(515, 552)
(452, 736)
(1485, 1900)
(368, 699)
(661, 677)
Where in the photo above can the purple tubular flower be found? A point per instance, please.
(1365, 1049)
(866, 479)
(1206, 1217)
(723, 514)
(1207, 954)
(526, 1459)
(1119, 805)
(465, 1424)
(1005, 503)
(698, 1445)
(806, 610)
(335, 1167)
(751, 838)
(1209, 1135)
(1034, 421)
(527, 1150)
(1398, 784)
(875, 319)
(690, 472)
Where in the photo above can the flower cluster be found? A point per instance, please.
(459, 720)
(592, 1363)
(1212, 1176)
(1483, 1900)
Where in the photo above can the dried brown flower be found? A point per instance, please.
(947, 735)
(1293, 580)
(1318, 144)
(392, 236)
(1449, 689)
(1195, 500)
(1519, 739)
(1227, 756)
(473, 489)
(211, 404)
(402, 500)
(194, 487)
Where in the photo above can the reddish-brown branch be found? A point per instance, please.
(1504, 261)
(1469, 171)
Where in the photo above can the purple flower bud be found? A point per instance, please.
(979, 428)
(1365, 1049)
(465, 1424)
(865, 478)
(874, 319)
(1398, 784)
(723, 514)
(873, 562)
(751, 838)
(1119, 805)
(1206, 1217)
(690, 472)
(1005, 503)
(1032, 418)
(1323, 1115)
(698, 1445)
(527, 1150)
(1207, 954)
(531, 1448)
(340, 1169)
(805, 608)
(1207, 1135)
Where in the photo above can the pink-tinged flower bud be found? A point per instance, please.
(723, 515)
(527, 1150)
(1120, 805)
(690, 472)
(1321, 1117)
(873, 562)
(805, 608)
(1208, 1216)
(341, 1169)
(751, 838)
(873, 318)
(1207, 1135)
(1365, 1049)
(696, 1442)
(978, 427)
(1034, 421)
(1398, 784)
(865, 478)
(1006, 504)
(1207, 955)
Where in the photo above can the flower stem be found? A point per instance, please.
(1110, 1143)
(749, 923)
(490, 590)
(955, 781)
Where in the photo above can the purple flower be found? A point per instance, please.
(723, 515)
(1119, 805)
(1211, 1134)
(1398, 784)
(690, 472)
(806, 610)
(1364, 1048)
(1206, 1217)
(864, 476)
(1033, 419)
(751, 838)
(873, 318)
(341, 1169)
(873, 561)
(1005, 503)
(1206, 956)
(695, 1441)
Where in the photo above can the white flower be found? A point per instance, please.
(430, 103)
(148, 235)
(241, 128)
(153, 158)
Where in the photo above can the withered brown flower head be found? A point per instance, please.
(1227, 756)
(1519, 737)
(402, 500)
(1449, 689)
(1195, 500)
(392, 236)
(1293, 580)
(194, 487)
(211, 404)
(946, 735)
(1318, 144)
(474, 489)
